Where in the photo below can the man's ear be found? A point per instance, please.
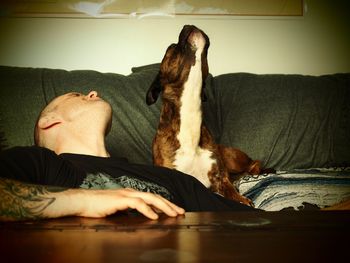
(154, 90)
(49, 120)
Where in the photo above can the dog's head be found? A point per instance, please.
(177, 62)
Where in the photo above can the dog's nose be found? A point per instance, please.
(196, 39)
(189, 27)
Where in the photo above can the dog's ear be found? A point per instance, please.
(154, 90)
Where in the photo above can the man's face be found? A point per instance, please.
(75, 110)
(76, 107)
(73, 105)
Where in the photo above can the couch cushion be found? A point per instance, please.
(22, 96)
(288, 121)
(25, 91)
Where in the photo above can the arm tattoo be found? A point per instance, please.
(20, 201)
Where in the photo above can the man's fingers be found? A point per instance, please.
(178, 209)
(101, 203)
(140, 205)
(159, 203)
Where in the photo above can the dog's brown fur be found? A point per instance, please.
(174, 73)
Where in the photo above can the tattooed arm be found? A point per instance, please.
(24, 201)
(21, 201)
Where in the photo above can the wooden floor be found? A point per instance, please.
(308, 236)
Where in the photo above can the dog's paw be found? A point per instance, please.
(246, 201)
(237, 197)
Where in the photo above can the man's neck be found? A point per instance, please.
(84, 151)
(82, 144)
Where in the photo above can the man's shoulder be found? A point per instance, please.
(26, 150)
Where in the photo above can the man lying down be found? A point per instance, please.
(70, 173)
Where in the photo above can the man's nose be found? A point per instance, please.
(92, 94)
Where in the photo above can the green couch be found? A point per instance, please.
(291, 122)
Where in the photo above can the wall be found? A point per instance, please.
(315, 44)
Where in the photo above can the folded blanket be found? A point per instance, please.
(297, 189)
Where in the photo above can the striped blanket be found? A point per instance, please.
(297, 189)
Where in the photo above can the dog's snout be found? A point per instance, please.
(196, 39)
(193, 36)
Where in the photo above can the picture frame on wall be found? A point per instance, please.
(151, 8)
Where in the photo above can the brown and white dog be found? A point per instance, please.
(182, 142)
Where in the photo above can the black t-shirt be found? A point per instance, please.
(41, 166)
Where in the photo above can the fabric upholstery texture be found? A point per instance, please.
(25, 91)
(297, 189)
(287, 121)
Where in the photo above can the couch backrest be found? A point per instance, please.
(25, 91)
(287, 121)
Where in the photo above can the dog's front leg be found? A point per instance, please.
(222, 185)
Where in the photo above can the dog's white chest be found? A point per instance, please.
(197, 164)
(190, 110)
(190, 158)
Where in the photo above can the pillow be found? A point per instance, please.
(287, 121)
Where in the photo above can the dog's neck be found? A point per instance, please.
(191, 107)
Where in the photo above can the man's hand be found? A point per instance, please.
(22, 201)
(100, 203)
